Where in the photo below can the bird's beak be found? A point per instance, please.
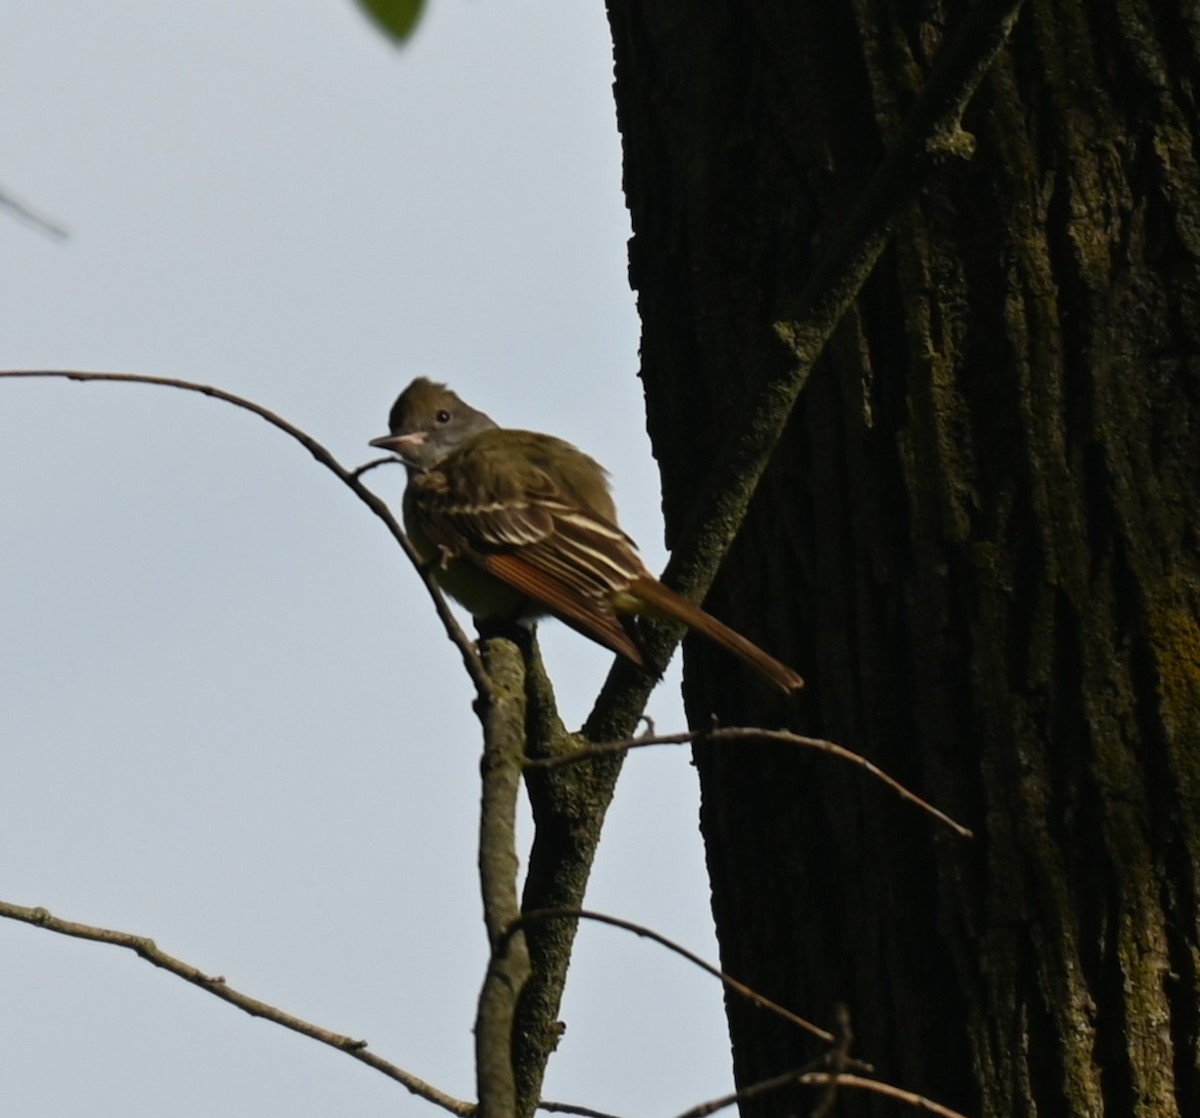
(401, 445)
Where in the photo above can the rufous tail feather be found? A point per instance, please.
(665, 603)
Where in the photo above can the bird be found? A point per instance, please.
(517, 524)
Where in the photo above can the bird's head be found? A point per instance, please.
(429, 422)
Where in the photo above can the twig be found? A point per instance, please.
(348, 477)
(910, 1098)
(146, 948)
(744, 733)
(541, 915)
(837, 1059)
(806, 1077)
(762, 1087)
(31, 217)
(571, 1108)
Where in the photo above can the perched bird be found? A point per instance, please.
(521, 524)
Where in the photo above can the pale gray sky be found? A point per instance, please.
(228, 718)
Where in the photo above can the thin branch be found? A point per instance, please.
(807, 1077)
(571, 1108)
(909, 1098)
(837, 1061)
(348, 477)
(538, 916)
(755, 1090)
(744, 733)
(146, 948)
(31, 217)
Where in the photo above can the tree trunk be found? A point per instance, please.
(978, 540)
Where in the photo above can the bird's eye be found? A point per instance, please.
(443, 416)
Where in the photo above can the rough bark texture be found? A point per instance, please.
(978, 541)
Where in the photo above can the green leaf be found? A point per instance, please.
(397, 19)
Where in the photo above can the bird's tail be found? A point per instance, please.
(657, 600)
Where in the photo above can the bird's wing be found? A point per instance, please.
(568, 559)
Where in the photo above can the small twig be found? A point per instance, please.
(374, 464)
(146, 948)
(571, 1108)
(31, 217)
(466, 646)
(743, 733)
(807, 1077)
(841, 1073)
(762, 1087)
(740, 988)
(910, 1098)
(837, 1060)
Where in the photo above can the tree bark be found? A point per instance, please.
(977, 541)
